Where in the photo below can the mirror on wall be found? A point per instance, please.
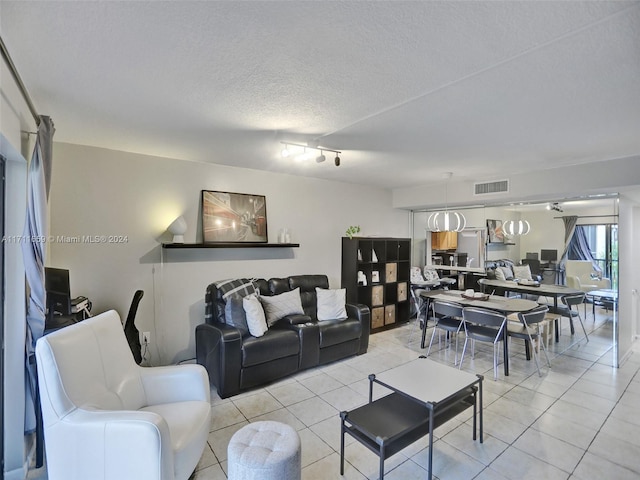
(484, 239)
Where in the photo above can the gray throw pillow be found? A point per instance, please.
(235, 316)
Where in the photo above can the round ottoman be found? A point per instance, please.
(265, 451)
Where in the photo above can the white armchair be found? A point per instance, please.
(581, 276)
(107, 418)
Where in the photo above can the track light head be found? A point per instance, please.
(306, 155)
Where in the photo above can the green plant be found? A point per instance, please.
(352, 230)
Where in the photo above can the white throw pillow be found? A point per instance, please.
(256, 320)
(522, 272)
(331, 304)
(504, 273)
(278, 306)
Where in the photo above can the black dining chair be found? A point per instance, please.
(421, 310)
(573, 300)
(484, 326)
(530, 329)
(448, 318)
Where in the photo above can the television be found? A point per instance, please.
(548, 255)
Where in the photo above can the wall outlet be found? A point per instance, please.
(146, 338)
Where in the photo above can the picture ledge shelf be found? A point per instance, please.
(230, 245)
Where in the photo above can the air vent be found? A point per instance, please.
(499, 186)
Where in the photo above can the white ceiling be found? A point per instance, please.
(406, 90)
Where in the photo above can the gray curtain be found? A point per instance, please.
(570, 222)
(33, 252)
(576, 244)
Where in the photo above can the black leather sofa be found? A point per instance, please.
(237, 362)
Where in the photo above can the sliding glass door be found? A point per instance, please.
(603, 243)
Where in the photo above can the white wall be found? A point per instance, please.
(608, 176)
(105, 192)
(629, 304)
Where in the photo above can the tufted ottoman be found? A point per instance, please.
(265, 451)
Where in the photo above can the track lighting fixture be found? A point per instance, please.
(314, 146)
(555, 206)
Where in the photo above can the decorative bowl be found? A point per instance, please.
(476, 296)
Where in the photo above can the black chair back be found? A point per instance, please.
(445, 309)
(533, 316)
(573, 299)
(481, 316)
(130, 330)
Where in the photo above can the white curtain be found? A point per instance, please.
(36, 230)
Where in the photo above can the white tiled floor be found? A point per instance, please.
(578, 421)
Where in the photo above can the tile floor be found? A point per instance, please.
(577, 421)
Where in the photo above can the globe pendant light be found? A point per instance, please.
(446, 221)
(516, 227)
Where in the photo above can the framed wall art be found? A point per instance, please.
(233, 217)
(495, 232)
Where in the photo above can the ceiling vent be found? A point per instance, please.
(499, 186)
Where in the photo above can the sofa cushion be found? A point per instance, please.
(275, 343)
(235, 316)
(504, 273)
(333, 332)
(278, 306)
(256, 321)
(331, 304)
(522, 272)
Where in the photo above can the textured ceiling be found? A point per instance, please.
(406, 90)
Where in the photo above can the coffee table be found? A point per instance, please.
(426, 394)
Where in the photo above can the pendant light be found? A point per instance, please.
(516, 227)
(445, 220)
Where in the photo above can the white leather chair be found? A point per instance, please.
(107, 418)
(579, 276)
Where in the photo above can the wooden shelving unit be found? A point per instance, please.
(385, 265)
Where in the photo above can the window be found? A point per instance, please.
(603, 245)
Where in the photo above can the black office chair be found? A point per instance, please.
(130, 330)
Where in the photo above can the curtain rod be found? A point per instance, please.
(16, 77)
(590, 216)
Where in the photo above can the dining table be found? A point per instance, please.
(540, 289)
(497, 303)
